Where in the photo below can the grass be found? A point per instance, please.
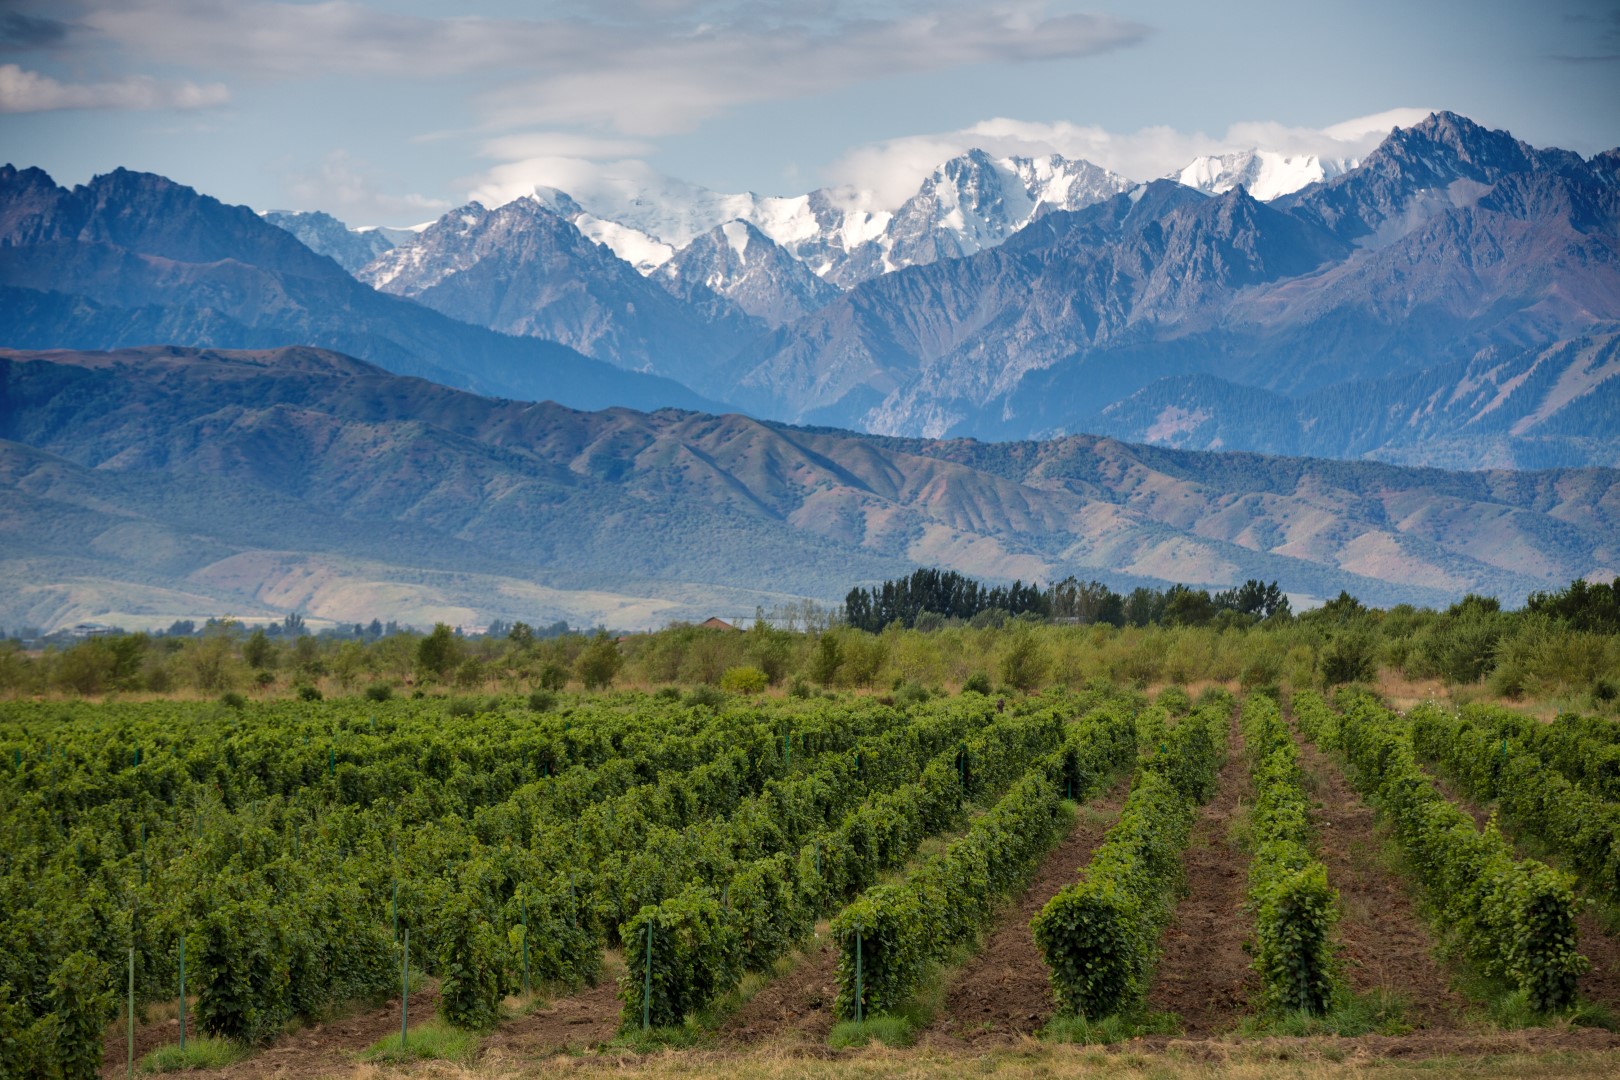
(433, 1040)
(201, 1052)
(889, 1029)
(1120, 1027)
(1376, 1012)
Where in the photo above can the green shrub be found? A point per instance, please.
(542, 701)
(977, 683)
(744, 680)
(232, 700)
(309, 693)
(379, 692)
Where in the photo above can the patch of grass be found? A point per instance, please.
(889, 1029)
(1377, 1012)
(679, 1037)
(1120, 1027)
(201, 1052)
(433, 1040)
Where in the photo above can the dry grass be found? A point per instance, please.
(1270, 1060)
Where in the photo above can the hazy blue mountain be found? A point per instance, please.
(134, 258)
(175, 481)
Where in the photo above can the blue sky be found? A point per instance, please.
(391, 111)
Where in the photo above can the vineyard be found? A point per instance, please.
(623, 871)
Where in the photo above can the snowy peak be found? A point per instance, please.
(1265, 174)
(350, 248)
(737, 261)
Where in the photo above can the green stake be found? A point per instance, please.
(131, 1059)
(859, 989)
(331, 760)
(405, 989)
(524, 901)
(646, 987)
(396, 910)
(182, 991)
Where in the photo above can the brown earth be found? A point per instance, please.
(578, 1021)
(1384, 943)
(796, 1006)
(1203, 974)
(319, 1050)
(1003, 993)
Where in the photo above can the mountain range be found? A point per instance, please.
(1030, 368)
(1017, 298)
(148, 484)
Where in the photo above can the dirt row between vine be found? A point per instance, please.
(1203, 975)
(319, 1050)
(1002, 994)
(1385, 944)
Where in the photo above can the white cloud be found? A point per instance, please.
(342, 187)
(23, 91)
(644, 76)
(893, 169)
(562, 144)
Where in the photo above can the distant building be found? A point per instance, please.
(91, 629)
(716, 624)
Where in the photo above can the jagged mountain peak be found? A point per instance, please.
(737, 261)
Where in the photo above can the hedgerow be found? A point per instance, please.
(898, 930)
(1514, 919)
(1099, 937)
(1492, 755)
(1294, 906)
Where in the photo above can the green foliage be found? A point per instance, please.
(1024, 663)
(696, 956)
(744, 680)
(438, 654)
(1099, 937)
(1556, 781)
(1295, 907)
(900, 929)
(430, 1041)
(977, 683)
(599, 663)
(470, 962)
(1514, 919)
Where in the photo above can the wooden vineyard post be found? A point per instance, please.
(182, 991)
(405, 990)
(130, 1060)
(646, 986)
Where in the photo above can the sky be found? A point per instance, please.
(393, 111)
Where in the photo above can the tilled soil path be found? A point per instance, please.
(1385, 944)
(323, 1050)
(794, 1007)
(1602, 983)
(1204, 974)
(586, 1018)
(1003, 993)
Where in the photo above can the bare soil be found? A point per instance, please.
(1204, 975)
(319, 1050)
(578, 1021)
(795, 1007)
(1002, 994)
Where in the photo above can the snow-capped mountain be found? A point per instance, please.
(524, 269)
(1265, 173)
(969, 203)
(350, 248)
(748, 268)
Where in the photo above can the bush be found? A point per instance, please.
(696, 956)
(744, 680)
(232, 700)
(706, 697)
(309, 693)
(977, 683)
(542, 701)
(379, 692)
(462, 707)
(553, 676)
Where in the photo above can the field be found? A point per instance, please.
(1058, 884)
